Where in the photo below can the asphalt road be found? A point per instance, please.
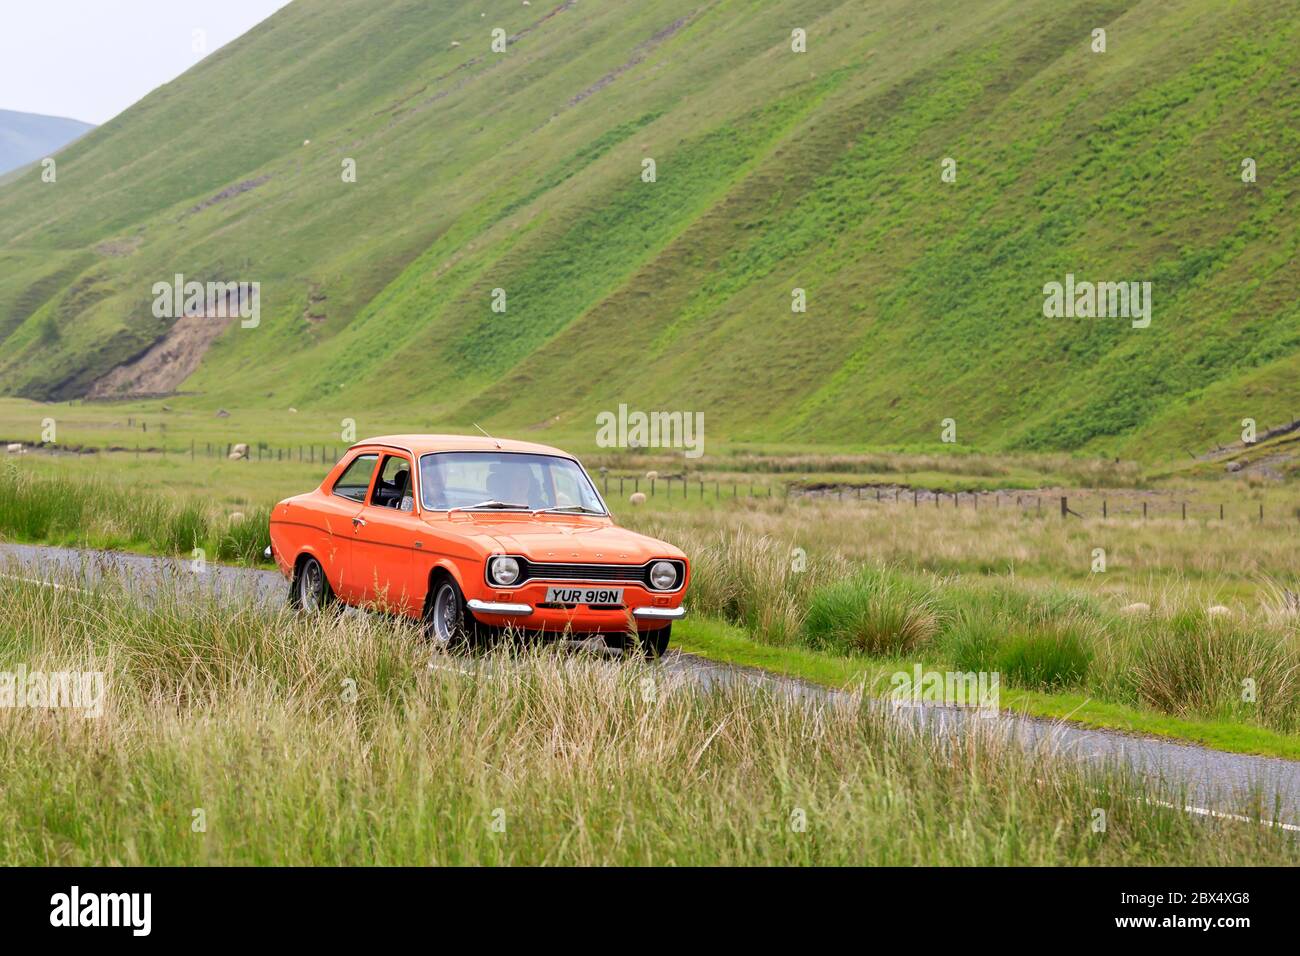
(1211, 782)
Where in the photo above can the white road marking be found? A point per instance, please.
(1222, 815)
(44, 584)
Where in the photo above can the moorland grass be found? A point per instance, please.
(92, 512)
(232, 734)
(852, 580)
(1242, 664)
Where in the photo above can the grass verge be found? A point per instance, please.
(720, 641)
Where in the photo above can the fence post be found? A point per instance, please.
(1261, 511)
(1184, 510)
(652, 487)
(916, 497)
(1065, 506)
(1144, 511)
(1103, 507)
(1220, 511)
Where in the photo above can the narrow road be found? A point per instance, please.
(1212, 782)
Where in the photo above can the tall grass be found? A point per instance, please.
(890, 583)
(855, 595)
(332, 740)
(94, 512)
(876, 612)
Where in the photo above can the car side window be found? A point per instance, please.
(355, 480)
(393, 489)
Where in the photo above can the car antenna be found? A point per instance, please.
(476, 425)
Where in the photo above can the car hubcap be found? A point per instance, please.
(310, 590)
(446, 614)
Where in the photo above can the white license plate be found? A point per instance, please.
(584, 595)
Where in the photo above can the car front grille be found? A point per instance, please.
(562, 571)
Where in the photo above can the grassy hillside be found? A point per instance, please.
(27, 137)
(775, 170)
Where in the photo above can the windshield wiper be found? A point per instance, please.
(579, 509)
(490, 503)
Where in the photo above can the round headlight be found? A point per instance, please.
(505, 571)
(663, 575)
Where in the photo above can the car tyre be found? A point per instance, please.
(653, 644)
(447, 621)
(310, 590)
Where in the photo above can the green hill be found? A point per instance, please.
(776, 170)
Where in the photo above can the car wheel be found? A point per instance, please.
(446, 621)
(653, 644)
(310, 590)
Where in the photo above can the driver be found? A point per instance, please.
(515, 486)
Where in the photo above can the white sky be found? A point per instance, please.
(91, 59)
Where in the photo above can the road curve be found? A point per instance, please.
(1213, 782)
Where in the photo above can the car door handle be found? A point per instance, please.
(358, 523)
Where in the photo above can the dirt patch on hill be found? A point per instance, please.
(229, 193)
(161, 368)
(642, 51)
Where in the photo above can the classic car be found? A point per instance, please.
(470, 535)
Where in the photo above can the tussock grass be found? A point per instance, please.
(876, 612)
(977, 591)
(918, 584)
(90, 511)
(535, 757)
(1193, 664)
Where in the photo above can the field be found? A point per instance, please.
(1153, 624)
(238, 735)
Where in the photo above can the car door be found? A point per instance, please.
(384, 535)
(341, 509)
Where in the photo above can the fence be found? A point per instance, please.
(680, 487)
(1067, 506)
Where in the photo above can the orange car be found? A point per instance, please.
(472, 534)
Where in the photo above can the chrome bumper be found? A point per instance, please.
(498, 607)
(659, 613)
(520, 610)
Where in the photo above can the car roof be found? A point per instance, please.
(424, 444)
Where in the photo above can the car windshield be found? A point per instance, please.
(505, 481)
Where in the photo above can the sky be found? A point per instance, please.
(91, 59)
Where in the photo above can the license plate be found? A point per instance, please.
(584, 595)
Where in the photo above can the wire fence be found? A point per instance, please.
(683, 487)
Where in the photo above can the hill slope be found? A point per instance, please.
(27, 137)
(522, 171)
